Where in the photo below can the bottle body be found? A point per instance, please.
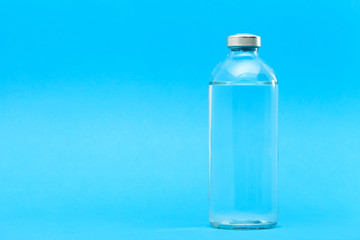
(243, 110)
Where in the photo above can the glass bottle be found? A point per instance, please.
(243, 151)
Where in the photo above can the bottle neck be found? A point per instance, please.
(243, 52)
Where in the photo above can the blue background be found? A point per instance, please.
(104, 116)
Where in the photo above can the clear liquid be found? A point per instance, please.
(243, 155)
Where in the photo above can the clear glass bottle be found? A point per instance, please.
(243, 104)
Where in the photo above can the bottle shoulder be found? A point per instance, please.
(243, 71)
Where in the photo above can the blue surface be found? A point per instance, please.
(104, 125)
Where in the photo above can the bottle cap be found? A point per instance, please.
(243, 40)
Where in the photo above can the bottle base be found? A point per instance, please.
(243, 224)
